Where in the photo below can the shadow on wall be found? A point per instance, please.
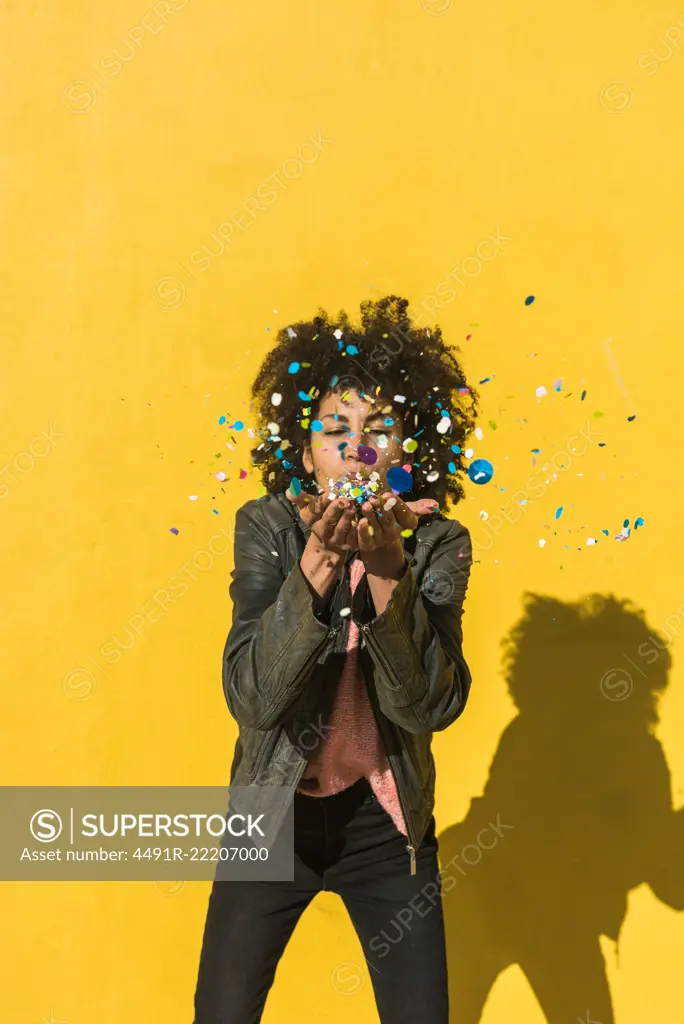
(577, 811)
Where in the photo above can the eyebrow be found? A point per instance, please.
(340, 416)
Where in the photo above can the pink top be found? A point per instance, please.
(352, 748)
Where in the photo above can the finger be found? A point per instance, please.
(403, 514)
(365, 538)
(307, 504)
(331, 517)
(369, 514)
(390, 531)
(313, 508)
(424, 506)
(340, 537)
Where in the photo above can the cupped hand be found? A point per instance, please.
(380, 527)
(332, 521)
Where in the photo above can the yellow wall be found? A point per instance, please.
(442, 123)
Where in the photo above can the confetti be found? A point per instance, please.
(367, 454)
(559, 512)
(480, 471)
(276, 398)
(529, 300)
(398, 479)
(174, 529)
(541, 391)
(293, 367)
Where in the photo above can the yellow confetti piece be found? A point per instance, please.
(406, 533)
(305, 423)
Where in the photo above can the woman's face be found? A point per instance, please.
(360, 421)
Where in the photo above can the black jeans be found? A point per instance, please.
(348, 844)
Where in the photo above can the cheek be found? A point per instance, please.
(326, 459)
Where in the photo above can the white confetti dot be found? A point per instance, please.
(484, 515)
(469, 452)
(432, 476)
(338, 333)
(276, 398)
(275, 553)
(291, 333)
(479, 433)
(591, 540)
(541, 391)
(344, 612)
(391, 502)
(399, 398)
(220, 475)
(443, 425)
(273, 428)
(193, 497)
(542, 542)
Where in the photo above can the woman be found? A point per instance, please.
(345, 652)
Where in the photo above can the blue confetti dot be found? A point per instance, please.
(398, 479)
(452, 467)
(286, 464)
(293, 368)
(630, 418)
(638, 522)
(238, 425)
(295, 486)
(388, 421)
(559, 512)
(529, 300)
(303, 396)
(445, 412)
(480, 471)
(174, 529)
(316, 425)
(607, 532)
(352, 350)
(455, 448)
(222, 420)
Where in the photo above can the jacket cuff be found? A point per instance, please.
(296, 595)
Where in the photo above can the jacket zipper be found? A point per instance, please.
(411, 846)
(313, 657)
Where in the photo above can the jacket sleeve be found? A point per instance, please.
(275, 637)
(422, 679)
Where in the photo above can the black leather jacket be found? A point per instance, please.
(282, 663)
